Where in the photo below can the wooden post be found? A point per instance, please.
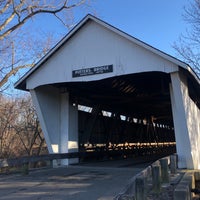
(25, 168)
(156, 178)
(173, 163)
(164, 170)
(140, 188)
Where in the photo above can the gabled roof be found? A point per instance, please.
(21, 83)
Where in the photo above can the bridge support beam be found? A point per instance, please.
(68, 129)
(59, 121)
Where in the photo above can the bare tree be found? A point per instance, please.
(20, 132)
(188, 46)
(8, 141)
(14, 14)
(27, 128)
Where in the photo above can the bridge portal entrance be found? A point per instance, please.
(102, 90)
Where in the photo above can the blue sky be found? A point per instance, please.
(159, 23)
(156, 22)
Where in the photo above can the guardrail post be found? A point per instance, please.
(25, 169)
(140, 188)
(164, 170)
(156, 178)
(173, 163)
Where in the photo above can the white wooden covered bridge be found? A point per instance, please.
(108, 71)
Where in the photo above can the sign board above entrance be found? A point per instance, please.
(92, 71)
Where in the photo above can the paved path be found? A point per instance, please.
(96, 181)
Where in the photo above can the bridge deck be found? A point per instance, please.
(96, 180)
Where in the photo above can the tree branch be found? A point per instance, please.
(3, 10)
(13, 71)
(32, 13)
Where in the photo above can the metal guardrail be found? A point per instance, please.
(12, 162)
(93, 153)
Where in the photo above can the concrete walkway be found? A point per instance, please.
(93, 181)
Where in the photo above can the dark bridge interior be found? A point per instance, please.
(124, 115)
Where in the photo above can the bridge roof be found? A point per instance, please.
(82, 36)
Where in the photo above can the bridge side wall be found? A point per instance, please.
(46, 101)
(185, 115)
(193, 123)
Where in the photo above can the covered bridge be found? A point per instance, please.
(101, 86)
